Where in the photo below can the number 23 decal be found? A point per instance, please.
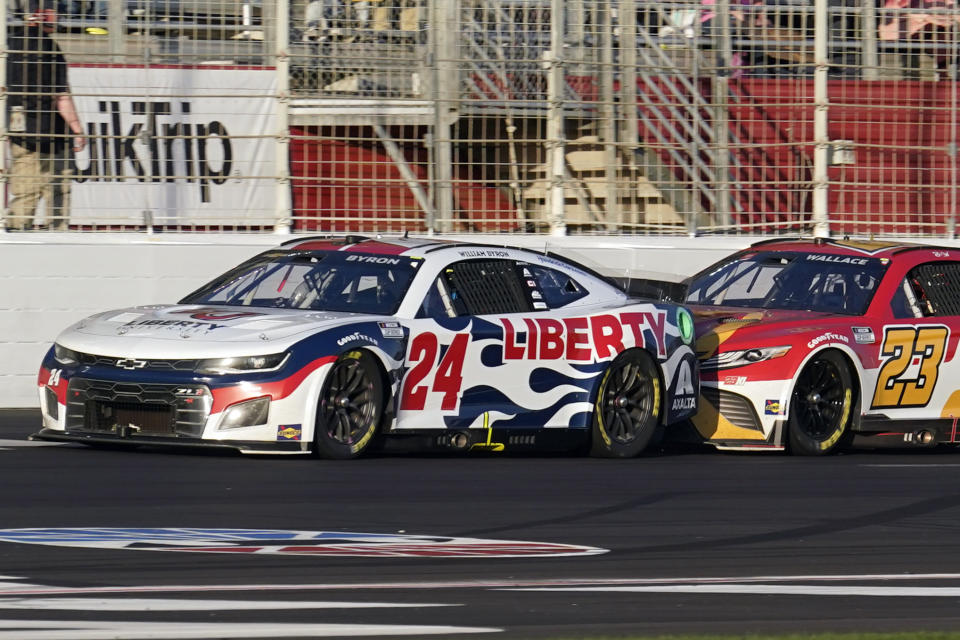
(900, 346)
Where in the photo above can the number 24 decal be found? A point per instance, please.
(448, 378)
(901, 345)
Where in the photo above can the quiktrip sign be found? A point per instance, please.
(175, 145)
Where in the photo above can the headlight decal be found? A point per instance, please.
(65, 356)
(242, 364)
(742, 357)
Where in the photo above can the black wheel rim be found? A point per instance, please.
(348, 407)
(627, 402)
(818, 400)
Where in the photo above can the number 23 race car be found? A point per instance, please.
(337, 345)
(805, 343)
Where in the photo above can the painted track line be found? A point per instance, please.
(31, 590)
(760, 589)
(156, 604)
(93, 630)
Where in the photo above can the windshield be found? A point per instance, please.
(790, 280)
(316, 280)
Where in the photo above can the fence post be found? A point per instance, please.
(630, 134)
(444, 31)
(721, 115)
(4, 137)
(821, 218)
(556, 149)
(608, 126)
(116, 30)
(276, 23)
(869, 55)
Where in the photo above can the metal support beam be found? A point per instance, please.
(404, 167)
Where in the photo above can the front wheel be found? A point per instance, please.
(627, 410)
(350, 407)
(820, 406)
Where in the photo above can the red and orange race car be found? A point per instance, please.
(804, 343)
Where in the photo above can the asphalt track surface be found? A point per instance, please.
(696, 540)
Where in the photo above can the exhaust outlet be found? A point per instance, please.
(459, 440)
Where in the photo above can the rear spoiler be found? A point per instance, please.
(652, 289)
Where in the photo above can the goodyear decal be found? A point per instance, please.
(827, 337)
(292, 542)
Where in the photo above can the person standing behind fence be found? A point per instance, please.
(42, 121)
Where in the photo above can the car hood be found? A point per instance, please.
(728, 326)
(177, 331)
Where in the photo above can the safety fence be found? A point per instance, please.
(557, 116)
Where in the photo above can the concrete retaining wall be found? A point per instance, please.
(49, 281)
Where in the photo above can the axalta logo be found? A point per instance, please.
(153, 141)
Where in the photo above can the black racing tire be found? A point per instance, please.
(821, 407)
(626, 412)
(350, 407)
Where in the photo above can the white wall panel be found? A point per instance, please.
(48, 282)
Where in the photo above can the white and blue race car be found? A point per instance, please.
(340, 344)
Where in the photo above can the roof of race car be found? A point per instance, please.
(846, 246)
(390, 246)
(404, 245)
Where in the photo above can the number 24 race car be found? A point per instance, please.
(805, 343)
(338, 345)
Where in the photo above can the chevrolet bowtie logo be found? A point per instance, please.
(130, 363)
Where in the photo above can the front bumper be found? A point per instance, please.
(131, 439)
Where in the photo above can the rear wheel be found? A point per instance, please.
(350, 407)
(820, 406)
(627, 409)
